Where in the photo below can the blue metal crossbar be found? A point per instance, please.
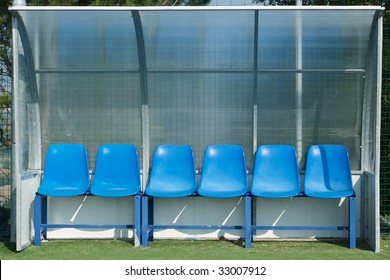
(194, 227)
(86, 226)
(300, 227)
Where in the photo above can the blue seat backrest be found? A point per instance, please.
(224, 172)
(173, 172)
(66, 171)
(117, 171)
(276, 172)
(328, 172)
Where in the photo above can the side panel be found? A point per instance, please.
(372, 232)
(25, 138)
(376, 196)
(25, 208)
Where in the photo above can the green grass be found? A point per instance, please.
(193, 250)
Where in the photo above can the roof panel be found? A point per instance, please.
(198, 39)
(80, 41)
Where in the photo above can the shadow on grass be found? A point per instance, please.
(238, 242)
(11, 246)
(193, 250)
(8, 247)
(360, 244)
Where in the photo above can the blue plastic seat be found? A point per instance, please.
(117, 172)
(173, 172)
(276, 173)
(66, 171)
(328, 172)
(224, 172)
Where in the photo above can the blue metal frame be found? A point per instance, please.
(147, 229)
(144, 230)
(41, 225)
(250, 227)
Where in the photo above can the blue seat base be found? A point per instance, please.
(113, 192)
(62, 191)
(329, 194)
(170, 193)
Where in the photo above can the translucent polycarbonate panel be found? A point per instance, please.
(277, 37)
(321, 39)
(332, 111)
(201, 110)
(276, 102)
(336, 40)
(202, 82)
(82, 40)
(90, 108)
(181, 40)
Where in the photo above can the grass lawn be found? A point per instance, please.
(193, 250)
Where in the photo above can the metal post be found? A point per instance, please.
(378, 129)
(15, 132)
(298, 86)
(255, 83)
(144, 96)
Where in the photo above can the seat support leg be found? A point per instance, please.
(352, 222)
(137, 220)
(248, 221)
(37, 220)
(145, 221)
(44, 216)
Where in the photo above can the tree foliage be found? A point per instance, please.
(5, 45)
